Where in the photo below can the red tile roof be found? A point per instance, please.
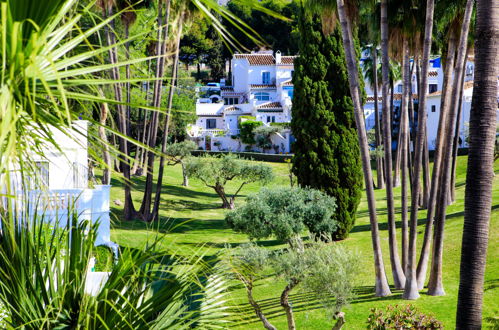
(232, 108)
(287, 83)
(433, 73)
(270, 105)
(287, 60)
(257, 59)
(262, 86)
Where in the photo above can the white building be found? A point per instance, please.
(261, 90)
(60, 181)
(434, 89)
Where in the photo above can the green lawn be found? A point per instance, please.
(192, 216)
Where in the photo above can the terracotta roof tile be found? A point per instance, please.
(257, 59)
(433, 73)
(287, 83)
(227, 89)
(232, 108)
(287, 60)
(262, 86)
(270, 105)
(468, 84)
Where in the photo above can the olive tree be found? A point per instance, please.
(216, 172)
(177, 153)
(247, 263)
(328, 271)
(284, 213)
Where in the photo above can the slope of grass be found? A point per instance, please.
(191, 216)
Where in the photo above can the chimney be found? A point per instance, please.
(278, 57)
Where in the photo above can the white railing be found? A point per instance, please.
(218, 132)
(88, 204)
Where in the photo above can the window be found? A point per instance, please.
(231, 100)
(262, 96)
(41, 175)
(211, 123)
(433, 108)
(270, 119)
(432, 88)
(266, 78)
(399, 89)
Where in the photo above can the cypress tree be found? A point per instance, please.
(327, 155)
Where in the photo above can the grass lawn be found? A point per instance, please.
(191, 216)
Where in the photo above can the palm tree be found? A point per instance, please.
(397, 271)
(444, 106)
(159, 185)
(411, 287)
(435, 285)
(479, 175)
(381, 286)
(370, 68)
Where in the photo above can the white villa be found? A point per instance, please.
(61, 181)
(435, 86)
(261, 90)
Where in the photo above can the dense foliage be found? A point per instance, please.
(326, 150)
(247, 133)
(284, 213)
(401, 317)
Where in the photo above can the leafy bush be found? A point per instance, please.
(284, 213)
(103, 258)
(247, 131)
(401, 317)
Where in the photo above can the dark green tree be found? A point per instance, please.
(327, 155)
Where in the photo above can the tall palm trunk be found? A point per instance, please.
(157, 196)
(106, 157)
(435, 285)
(379, 159)
(411, 287)
(381, 286)
(480, 172)
(426, 172)
(404, 128)
(145, 208)
(456, 138)
(128, 210)
(444, 106)
(397, 271)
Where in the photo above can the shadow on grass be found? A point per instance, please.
(302, 301)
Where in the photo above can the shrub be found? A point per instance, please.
(401, 317)
(284, 213)
(247, 131)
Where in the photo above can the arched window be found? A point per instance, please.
(262, 96)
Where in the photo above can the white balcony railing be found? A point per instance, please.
(54, 205)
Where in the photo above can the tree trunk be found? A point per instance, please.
(128, 210)
(444, 106)
(219, 189)
(456, 138)
(185, 181)
(396, 174)
(435, 285)
(106, 172)
(340, 321)
(145, 208)
(381, 286)
(157, 197)
(258, 311)
(411, 287)
(480, 172)
(426, 172)
(404, 140)
(397, 271)
(287, 306)
(377, 133)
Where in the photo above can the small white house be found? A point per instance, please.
(60, 182)
(261, 88)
